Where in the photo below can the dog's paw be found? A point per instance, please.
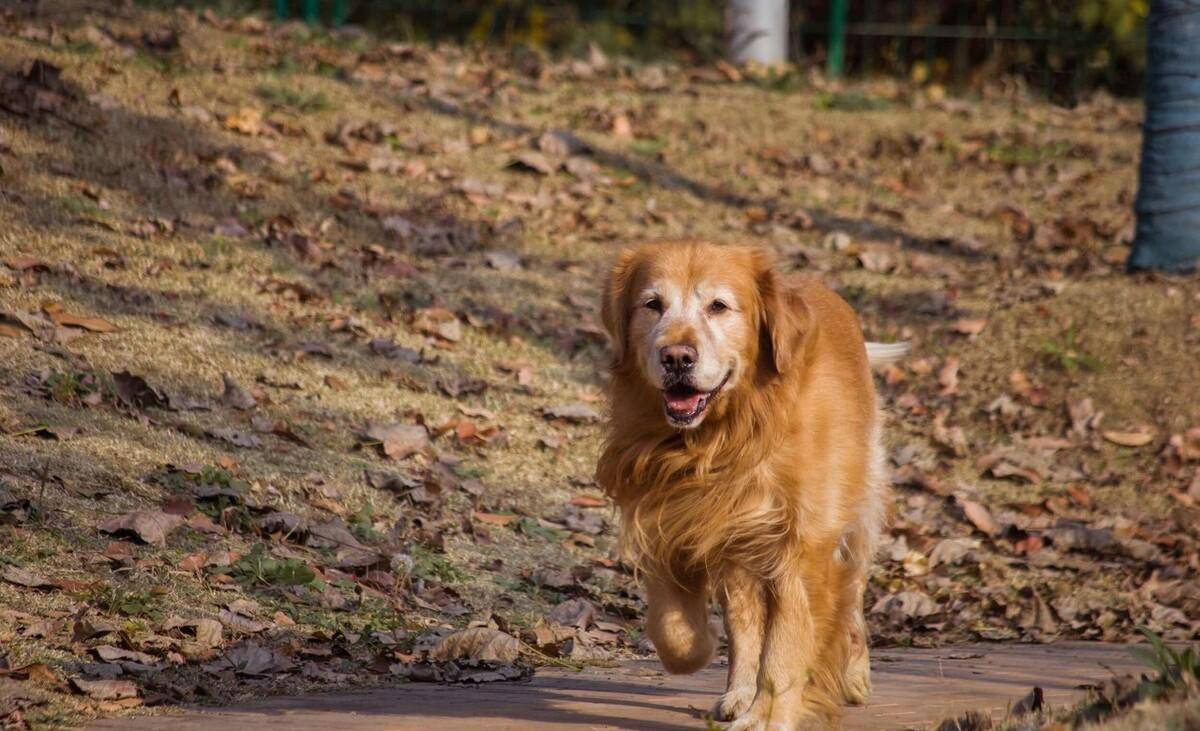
(858, 688)
(751, 722)
(746, 723)
(733, 703)
(858, 680)
(759, 717)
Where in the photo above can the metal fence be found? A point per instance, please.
(955, 42)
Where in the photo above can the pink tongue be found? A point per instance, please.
(684, 404)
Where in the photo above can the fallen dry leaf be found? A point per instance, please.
(235, 396)
(105, 690)
(25, 577)
(495, 518)
(398, 441)
(1138, 438)
(478, 644)
(969, 326)
(149, 526)
(979, 516)
(574, 413)
(62, 318)
(247, 121)
(948, 377)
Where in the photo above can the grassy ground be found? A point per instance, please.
(356, 234)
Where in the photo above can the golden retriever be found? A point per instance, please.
(744, 454)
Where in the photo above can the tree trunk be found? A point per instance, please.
(1168, 200)
(758, 31)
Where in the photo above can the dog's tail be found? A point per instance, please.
(883, 353)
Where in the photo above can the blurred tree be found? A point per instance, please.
(1168, 200)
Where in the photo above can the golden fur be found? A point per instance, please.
(772, 504)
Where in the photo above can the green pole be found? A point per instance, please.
(281, 9)
(834, 63)
(311, 12)
(339, 12)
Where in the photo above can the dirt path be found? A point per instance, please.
(912, 687)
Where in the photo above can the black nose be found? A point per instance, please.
(678, 359)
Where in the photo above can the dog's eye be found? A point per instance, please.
(654, 304)
(717, 307)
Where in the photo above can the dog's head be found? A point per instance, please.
(696, 322)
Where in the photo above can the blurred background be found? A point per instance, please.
(1058, 48)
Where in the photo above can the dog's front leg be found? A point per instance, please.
(743, 599)
(677, 622)
(787, 656)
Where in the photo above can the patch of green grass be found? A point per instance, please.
(296, 99)
(1068, 355)
(850, 101)
(1177, 669)
(287, 66)
(216, 247)
(81, 48)
(127, 601)
(1016, 153)
(260, 568)
(76, 206)
(362, 525)
(532, 528)
(71, 387)
(430, 565)
(785, 81)
(648, 148)
(469, 471)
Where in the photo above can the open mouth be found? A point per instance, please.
(685, 404)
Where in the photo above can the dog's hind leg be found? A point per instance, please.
(677, 624)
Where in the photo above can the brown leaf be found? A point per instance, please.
(1032, 702)
(135, 391)
(1083, 415)
(948, 377)
(877, 260)
(110, 653)
(150, 526)
(979, 516)
(56, 314)
(38, 673)
(495, 518)
(588, 501)
(105, 690)
(535, 162)
(479, 644)
(247, 121)
(235, 396)
(1187, 445)
(398, 441)
(1139, 438)
(969, 326)
(241, 623)
(577, 613)
(25, 577)
(438, 322)
(904, 606)
(1038, 615)
(24, 263)
(575, 413)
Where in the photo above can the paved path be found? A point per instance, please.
(913, 688)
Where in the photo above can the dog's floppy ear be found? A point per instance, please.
(785, 317)
(614, 305)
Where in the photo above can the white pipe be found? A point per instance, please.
(758, 31)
